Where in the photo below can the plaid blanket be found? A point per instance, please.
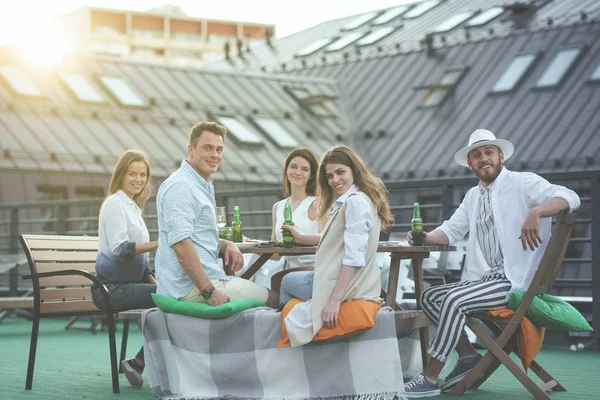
(238, 358)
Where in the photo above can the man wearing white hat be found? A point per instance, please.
(506, 215)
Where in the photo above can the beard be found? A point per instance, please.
(486, 175)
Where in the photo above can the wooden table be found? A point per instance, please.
(405, 319)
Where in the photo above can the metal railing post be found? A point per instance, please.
(595, 221)
(13, 276)
(61, 220)
(447, 202)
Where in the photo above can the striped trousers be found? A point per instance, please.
(447, 306)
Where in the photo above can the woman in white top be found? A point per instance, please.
(299, 185)
(124, 245)
(346, 266)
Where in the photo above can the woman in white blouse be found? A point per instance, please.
(355, 204)
(299, 186)
(124, 245)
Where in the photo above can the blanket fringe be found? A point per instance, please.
(371, 396)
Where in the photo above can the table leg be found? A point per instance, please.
(256, 266)
(417, 265)
(392, 287)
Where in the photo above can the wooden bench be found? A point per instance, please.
(62, 271)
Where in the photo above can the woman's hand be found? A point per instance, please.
(293, 229)
(331, 313)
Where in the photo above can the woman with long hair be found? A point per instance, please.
(122, 263)
(355, 204)
(299, 186)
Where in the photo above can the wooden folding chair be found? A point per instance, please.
(506, 329)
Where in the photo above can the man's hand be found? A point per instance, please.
(410, 240)
(330, 314)
(217, 298)
(232, 256)
(530, 231)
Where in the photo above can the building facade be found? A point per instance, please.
(163, 34)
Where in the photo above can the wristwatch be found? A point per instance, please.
(206, 293)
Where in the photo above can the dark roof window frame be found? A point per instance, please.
(421, 8)
(438, 92)
(140, 102)
(347, 39)
(534, 57)
(455, 21)
(315, 46)
(384, 31)
(361, 20)
(19, 83)
(69, 85)
(269, 125)
(485, 17)
(563, 72)
(315, 103)
(595, 76)
(239, 129)
(390, 14)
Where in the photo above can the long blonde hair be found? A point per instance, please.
(121, 169)
(364, 180)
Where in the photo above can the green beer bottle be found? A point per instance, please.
(236, 226)
(288, 238)
(416, 226)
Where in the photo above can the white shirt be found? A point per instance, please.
(359, 221)
(120, 227)
(514, 194)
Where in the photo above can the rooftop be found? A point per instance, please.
(74, 364)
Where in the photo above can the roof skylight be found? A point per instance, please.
(376, 35)
(438, 92)
(81, 88)
(360, 20)
(122, 91)
(485, 17)
(313, 47)
(558, 68)
(596, 74)
(421, 9)
(390, 14)
(514, 73)
(240, 131)
(453, 22)
(344, 41)
(19, 82)
(276, 132)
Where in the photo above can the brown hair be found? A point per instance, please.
(364, 180)
(308, 155)
(206, 126)
(116, 180)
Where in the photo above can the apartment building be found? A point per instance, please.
(161, 34)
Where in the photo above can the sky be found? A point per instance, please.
(288, 16)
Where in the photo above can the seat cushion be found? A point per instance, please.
(202, 310)
(551, 312)
(354, 316)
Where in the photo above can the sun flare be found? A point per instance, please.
(47, 49)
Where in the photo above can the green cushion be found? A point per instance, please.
(202, 310)
(551, 312)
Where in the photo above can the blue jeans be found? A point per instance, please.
(126, 296)
(298, 285)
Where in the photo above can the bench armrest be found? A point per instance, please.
(67, 272)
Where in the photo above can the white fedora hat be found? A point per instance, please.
(483, 137)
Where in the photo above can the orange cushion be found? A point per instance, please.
(354, 316)
(530, 337)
